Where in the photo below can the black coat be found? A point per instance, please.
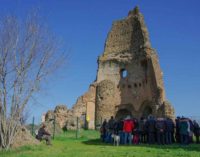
(150, 125)
(196, 129)
(169, 125)
(160, 125)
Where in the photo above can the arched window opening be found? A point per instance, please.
(122, 114)
(124, 73)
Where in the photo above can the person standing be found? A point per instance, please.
(150, 127)
(169, 131)
(111, 123)
(128, 128)
(178, 137)
(160, 130)
(121, 133)
(196, 130)
(183, 130)
(142, 130)
(103, 130)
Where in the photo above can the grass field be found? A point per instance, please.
(88, 145)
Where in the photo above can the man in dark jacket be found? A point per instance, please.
(196, 130)
(142, 130)
(116, 128)
(121, 133)
(178, 138)
(191, 130)
(160, 130)
(111, 124)
(183, 129)
(43, 134)
(150, 127)
(169, 131)
(103, 130)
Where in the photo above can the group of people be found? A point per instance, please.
(151, 130)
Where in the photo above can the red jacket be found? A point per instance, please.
(128, 126)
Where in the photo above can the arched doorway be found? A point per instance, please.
(147, 111)
(122, 114)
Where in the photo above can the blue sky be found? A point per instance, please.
(83, 26)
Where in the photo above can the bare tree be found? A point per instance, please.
(28, 54)
(24, 116)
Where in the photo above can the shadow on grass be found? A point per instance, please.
(95, 142)
(191, 147)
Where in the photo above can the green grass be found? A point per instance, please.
(88, 145)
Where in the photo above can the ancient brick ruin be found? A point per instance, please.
(129, 79)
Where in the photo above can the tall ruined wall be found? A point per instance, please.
(128, 50)
(129, 78)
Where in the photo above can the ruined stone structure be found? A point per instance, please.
(83, 109)
(129, 79)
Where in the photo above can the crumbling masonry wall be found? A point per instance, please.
(129, 78)
(141, 92)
